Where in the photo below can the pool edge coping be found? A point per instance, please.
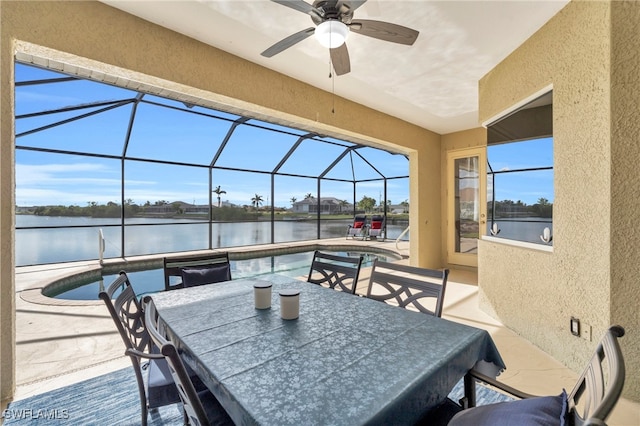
(33, 293)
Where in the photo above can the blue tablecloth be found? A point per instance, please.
(346, 360)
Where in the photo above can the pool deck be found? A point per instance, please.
(62, 342)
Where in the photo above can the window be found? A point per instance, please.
(520, 174)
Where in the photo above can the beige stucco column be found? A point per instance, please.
(625, 182)
(97, 41)
(7, 201)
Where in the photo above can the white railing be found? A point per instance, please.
(402, 234)
(100, 245)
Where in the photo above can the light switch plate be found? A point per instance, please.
(575, 326)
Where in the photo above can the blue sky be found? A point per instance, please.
(169, 135)
(527, 187)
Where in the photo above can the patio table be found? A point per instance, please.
(346, 359)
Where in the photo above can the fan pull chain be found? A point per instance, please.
(333, 95)
(333, 87)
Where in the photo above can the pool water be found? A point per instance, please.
(145, 282)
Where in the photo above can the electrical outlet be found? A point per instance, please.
(586, 332)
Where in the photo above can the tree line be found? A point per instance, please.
(510, 208)
(167, 209)
(162, 207)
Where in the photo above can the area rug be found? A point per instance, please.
(112, 399)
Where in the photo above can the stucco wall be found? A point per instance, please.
(92, 36)
(536, 293)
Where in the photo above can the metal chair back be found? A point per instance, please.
(600, 385)
(589, 403)
(173, 267)
(128, 316)
(194, 411)
(334, 271)
(408, 286)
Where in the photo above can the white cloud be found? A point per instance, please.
(40, 99)
(65, 184)
(37, 196)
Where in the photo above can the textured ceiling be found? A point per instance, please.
(433, 83)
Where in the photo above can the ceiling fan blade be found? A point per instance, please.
(340, 60)
(300, 6)
(354, 4)
(384, 31)
(286, 43)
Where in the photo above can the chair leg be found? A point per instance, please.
(144, 415)
(143, 396)
(365, 233)
(469, 399)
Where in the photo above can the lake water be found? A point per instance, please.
(526, 229)
(153, 236)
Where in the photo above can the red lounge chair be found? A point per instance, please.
(359, 227)
(376, 227)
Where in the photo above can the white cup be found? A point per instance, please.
(289, 303)
(262, 295)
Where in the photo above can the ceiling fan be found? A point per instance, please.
(334, 20)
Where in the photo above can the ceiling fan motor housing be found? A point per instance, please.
(332, 9)
(333, 21)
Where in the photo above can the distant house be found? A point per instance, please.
(328, 205)
(398, 209)
(202, 208)
(24, 210)
(163, 209)
(177, 207)
(194, 208)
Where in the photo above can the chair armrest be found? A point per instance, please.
(139, 354)
(503, 387)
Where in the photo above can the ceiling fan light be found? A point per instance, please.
(332, 33)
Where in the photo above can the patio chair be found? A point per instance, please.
(377, 227)
(199, 408)
(589, 403)
(189, 271)
(408, 286)
(359, 227)
(126, 311)
(334, 271)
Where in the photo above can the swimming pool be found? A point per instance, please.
(150, 281)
